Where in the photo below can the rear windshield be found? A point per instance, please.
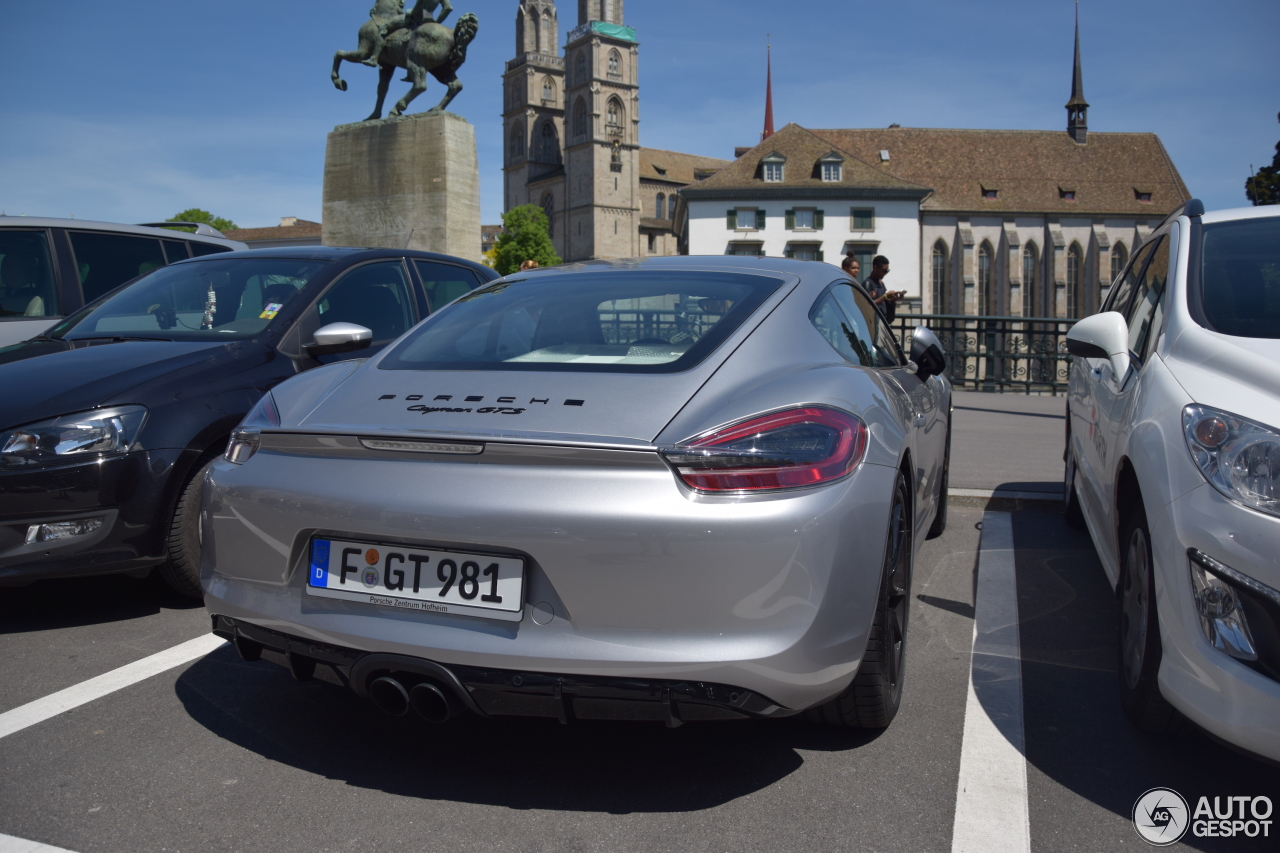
(614, 322)
(1240, 277)
(197, 301)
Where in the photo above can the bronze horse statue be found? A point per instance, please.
(415, 42)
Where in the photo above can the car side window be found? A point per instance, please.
(1118, 299)
(199, 250)
(375, 296)
(27, 287)
(1145, 313)
(830, 321)
(444, 282)
(862, 311)
(175, 250)
(106, 261)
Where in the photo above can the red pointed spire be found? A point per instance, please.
(768, 99)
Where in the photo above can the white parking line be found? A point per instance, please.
(9, 844)
(95, 688)
(991, 794)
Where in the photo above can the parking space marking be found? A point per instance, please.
(991, 793)
(9, 844)
(95, 688)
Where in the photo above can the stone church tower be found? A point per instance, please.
(572, 128)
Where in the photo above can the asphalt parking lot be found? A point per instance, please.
(221, 755)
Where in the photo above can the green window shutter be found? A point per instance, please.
(820, 257)
(791, 220)
(788, 252)
(818, 217)
(731, 220)
(760, 221)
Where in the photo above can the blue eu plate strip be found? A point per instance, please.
(320, 562)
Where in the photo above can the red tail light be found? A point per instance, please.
(783, 450)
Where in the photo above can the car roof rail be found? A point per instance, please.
(1191, 207)
(202, 228)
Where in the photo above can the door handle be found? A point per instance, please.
(1097, 373)
(919, 419)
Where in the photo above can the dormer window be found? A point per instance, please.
(1066, 194)
(773, 168)
(1141, 196)
(832, 168)
(990, 194)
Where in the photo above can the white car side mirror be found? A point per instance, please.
(339, 337)
(1102, 336)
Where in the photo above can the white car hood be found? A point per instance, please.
(1237, 375)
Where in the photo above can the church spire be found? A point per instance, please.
(1078, 107)
(768, 97)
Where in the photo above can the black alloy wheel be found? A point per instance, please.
(871, 701)
(1139, 632)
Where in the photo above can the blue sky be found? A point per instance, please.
(144, 108)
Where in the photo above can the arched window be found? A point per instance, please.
(661, 206)
(549, 208)
(548, 89)
(671, 206)
(986, 294)
(615, 65)
(517, 142)
(582, 68)
(938, 277)
(548, 144)
(537, 32)
(615, 114)
(1030, 281)
(580, 119)
(1119, 257)
(1075, 268)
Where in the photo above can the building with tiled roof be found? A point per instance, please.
(291, 231)
(1002, 222)
(571, 136)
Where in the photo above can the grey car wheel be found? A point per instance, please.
(182, 570)
(871, 701)
(1139, 632)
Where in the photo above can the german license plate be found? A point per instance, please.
(418, 579)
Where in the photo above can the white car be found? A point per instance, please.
(1173, 463)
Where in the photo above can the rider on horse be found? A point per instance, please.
(422, 12)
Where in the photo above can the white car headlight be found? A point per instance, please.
(247, 438)
(71, 437)
(1238, 457)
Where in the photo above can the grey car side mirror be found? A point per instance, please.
(339, 337)
(1102, 336)
(926, 352)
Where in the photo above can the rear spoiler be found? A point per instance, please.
(203, 229)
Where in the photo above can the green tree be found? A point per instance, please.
(1264, 187)
(527, 238)
(195, 214)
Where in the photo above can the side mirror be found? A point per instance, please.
(926, 352)
(339, 337)
(1102, 336)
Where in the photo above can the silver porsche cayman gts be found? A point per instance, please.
(675, 489)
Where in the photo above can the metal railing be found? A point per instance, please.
(1025, 355)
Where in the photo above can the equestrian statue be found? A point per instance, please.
(418, 42)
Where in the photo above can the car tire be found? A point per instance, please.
(182, 570)
(871, 700)
(1138, 637)
(1071, 510)
(939, 525)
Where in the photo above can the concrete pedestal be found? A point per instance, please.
(411, 182)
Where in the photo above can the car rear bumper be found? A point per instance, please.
(647, 581)
(1223, 695)
(126, 493)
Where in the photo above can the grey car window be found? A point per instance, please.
(375, 296)
(1118, 298)
(233, 299)
(1143, 316)
(175, 250)
(867, 334)
(833, 324)
(27, 287)
(1240, 277)
(106, 261)
(618, 321)
(444, 282)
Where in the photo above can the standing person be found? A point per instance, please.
(529, 265)
(851, 266)
(886, 299)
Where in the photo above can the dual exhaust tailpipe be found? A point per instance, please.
(433, 704)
